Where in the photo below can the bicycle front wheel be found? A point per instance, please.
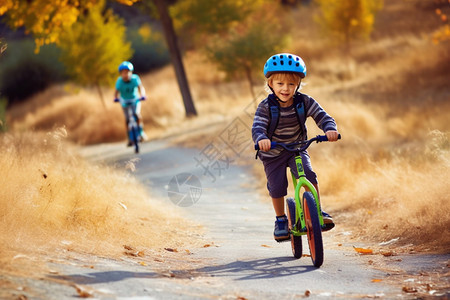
(296, 241)
(135, 138)
(314, 231)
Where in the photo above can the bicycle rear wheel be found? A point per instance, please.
(314, 231)
(296, 241)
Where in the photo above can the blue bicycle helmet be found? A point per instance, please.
(285, 62)
(126, 65)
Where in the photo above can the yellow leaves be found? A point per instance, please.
(145, 31)
(364, 251)
(42, 17)
(441, 35)
(5, 5)
(127, 2)
(348, 19)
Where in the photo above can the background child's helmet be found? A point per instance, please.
(285, 62)
(126, 65)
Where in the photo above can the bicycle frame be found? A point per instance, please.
(300, 225)
(133, 128)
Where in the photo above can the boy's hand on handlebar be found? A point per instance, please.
(264, 145)
(332, 135)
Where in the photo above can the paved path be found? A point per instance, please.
(244, 260)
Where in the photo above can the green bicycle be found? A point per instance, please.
(305, 214)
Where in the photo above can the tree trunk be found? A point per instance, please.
(248, 73)
(175, 55)
(100, 93)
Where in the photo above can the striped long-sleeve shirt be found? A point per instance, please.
(288, 129)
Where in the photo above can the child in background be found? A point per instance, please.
(131, 92)
(284, 73)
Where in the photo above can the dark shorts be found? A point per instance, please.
(275, 168)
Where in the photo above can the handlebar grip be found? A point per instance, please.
(272, 145)
(323, 138)
(116, 100)
(143, 98)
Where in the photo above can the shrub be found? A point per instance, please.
(150, 51)
(25, 73)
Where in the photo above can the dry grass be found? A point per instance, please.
(387, 178)
(52, 199)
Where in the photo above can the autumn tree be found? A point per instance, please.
(46, 20)
(348, 20)
(243, 52)
(93, 48)
(232, 33)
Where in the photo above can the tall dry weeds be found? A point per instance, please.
(50, 199)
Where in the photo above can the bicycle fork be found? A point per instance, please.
(300, 225)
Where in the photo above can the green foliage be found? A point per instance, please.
(246, 51)
(150, 51)
(242, 52)
(25, 73)
(94, 47)
(197, 20)
(348, 20)
(208, 16)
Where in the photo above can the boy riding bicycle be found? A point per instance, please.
(132, 92)
(281, 118)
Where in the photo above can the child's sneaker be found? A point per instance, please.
(281, 231)
(129, 143)
(328, 221)
(143, 137)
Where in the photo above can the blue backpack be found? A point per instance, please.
(274, 109)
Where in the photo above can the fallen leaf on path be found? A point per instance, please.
(377, 280)
(267, 246)
(171, 249)
(306, 255)
(158, 260)
(363, 250)
(188, 252)
(129, 247)
(141, 254)
(210, 245)
(388, 253)
(83, 292)
(340, 245)
(409, 289)
(307, 293)
(142, 263)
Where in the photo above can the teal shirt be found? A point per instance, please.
(128, 89)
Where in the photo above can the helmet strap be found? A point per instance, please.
(276, 97)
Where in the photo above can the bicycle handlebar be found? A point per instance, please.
(140, 99)
(291, 147)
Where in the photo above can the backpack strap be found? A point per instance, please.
(274, 110)
(300, 109)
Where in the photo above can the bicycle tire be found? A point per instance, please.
(135, 138)
(296, 241)
(314, 231)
